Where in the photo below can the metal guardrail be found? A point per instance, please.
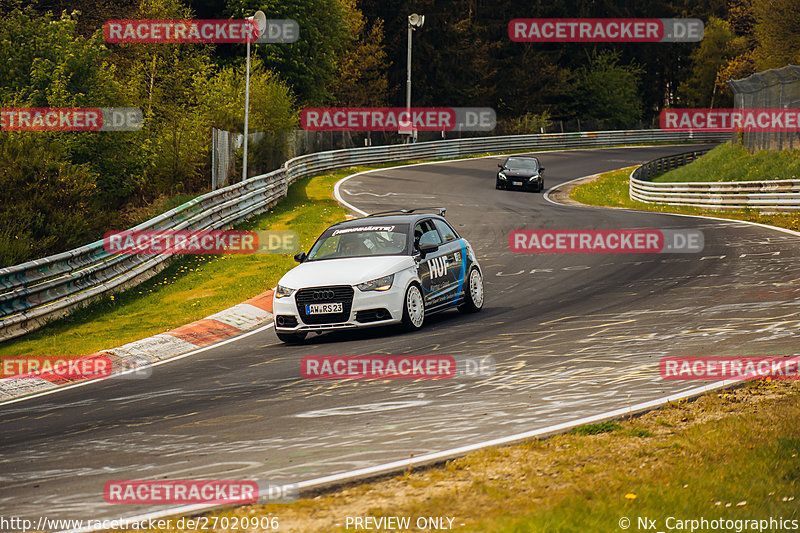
(769, 194)
(35, 292)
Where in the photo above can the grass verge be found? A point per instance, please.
(192, 287)
(729, 162)
(611, 190)
(732, 455)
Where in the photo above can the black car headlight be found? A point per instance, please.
(501, 176)
(380, 284)
(283, 292)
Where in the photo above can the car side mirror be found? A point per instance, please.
(541, 169)
(500, 165)
(300, 257)
(427, 248)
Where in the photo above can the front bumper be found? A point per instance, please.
(368, 309)
(524, 183)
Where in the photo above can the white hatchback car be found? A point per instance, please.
(378, 270)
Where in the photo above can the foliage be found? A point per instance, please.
(608, 90)
(46, 202)
(778, 32)
(716, 49)
(528, 123)
(328, 29)
(362, 78)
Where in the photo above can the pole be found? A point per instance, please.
(408, 79)
(408, 71)
(246, 109)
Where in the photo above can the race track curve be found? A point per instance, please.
(572, 335)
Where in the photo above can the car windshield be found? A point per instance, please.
(523, 163)
(361, 241)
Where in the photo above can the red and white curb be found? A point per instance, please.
(136, 357)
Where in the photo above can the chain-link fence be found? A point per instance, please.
(771, 89)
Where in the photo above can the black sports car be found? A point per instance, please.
(520, 172)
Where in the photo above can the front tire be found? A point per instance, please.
(413, 308)
(292, 338)
(473, 294)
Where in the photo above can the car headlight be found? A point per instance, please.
(380, 284)
(534, 177)
(283, 292)
(501, 176)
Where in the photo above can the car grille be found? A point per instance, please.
(322, 295)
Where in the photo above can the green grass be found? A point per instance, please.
(732, 454)
(192, 287)
(729, 162)
(595, 429)
(611, 190)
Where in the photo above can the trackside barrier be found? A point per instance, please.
(35, 292)
(780, 195)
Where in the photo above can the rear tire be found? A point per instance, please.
(292, 338)
(473, 292)
(413, 308)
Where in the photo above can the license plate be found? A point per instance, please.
(517, 184)
(323, 309)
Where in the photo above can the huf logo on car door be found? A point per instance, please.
(438, 267)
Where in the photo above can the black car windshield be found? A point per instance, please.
(522, 163)
(361, 241)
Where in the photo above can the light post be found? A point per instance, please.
(414, 21)
(261, 19)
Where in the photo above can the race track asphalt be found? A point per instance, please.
(571, 334)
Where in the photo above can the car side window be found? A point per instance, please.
(448, 233)
(425, 233)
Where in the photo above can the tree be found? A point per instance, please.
(778, 32)
(46, 203)
(272, 110)
(48, 64)
(607, 91)
(309, 66)
(712, 54)
(361, 79)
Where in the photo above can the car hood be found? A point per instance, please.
(520, 173)
(344, 271)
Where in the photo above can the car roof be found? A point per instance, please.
(393, 219)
